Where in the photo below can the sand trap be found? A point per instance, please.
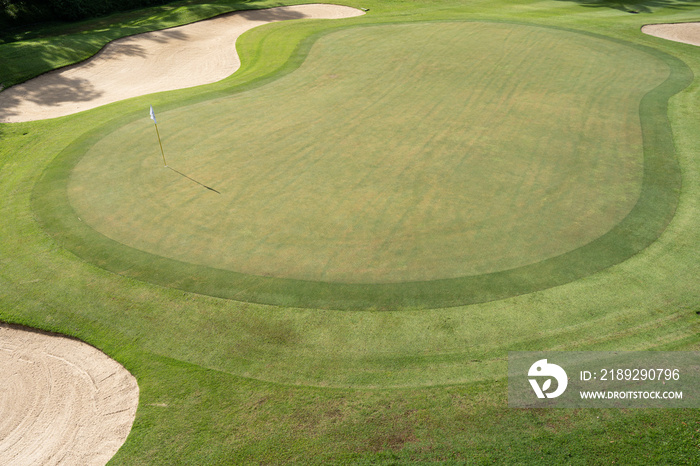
(61, 401)
(177, 58)
(688, 33)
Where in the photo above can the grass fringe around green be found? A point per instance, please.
(647, 220)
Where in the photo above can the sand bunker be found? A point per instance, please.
(688, 33)
(177, 58)
(62, 401)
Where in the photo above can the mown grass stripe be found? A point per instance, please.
(647, 220)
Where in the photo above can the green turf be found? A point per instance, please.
(506, 175)
(226, 382)
(388, 163)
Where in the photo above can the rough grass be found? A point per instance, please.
(222, 381)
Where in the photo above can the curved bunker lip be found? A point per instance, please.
(63, 399)
(177, 58)
(687, 33)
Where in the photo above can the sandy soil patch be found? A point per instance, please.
(688, 33)
(177, 58)
(62, 401)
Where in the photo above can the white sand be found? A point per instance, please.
(688, 33)
(177, 58)
(61, 401)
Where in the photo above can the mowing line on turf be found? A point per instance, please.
(283, 173)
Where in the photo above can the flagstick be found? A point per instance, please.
(153, 117)
(161, 145)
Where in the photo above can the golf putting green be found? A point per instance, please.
(418, 164)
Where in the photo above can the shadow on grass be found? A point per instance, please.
(193, 180)
(42, 24)
(24, 60)
(30, 50)
(642, 6)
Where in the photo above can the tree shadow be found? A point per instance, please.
(131, 46)
(117, 49)
(66, 90)
(638, 6)
(53, 88)
(270, 15)
(60, 91)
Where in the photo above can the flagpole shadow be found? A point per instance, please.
(193, 180)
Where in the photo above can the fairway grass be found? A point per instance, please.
(225, 381)
(482, 162)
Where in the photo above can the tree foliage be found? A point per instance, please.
(18, 12)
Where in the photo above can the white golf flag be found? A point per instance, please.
(153, 115)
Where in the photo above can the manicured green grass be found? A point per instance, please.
(388, 163)
(507, 174)
(224, 381)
